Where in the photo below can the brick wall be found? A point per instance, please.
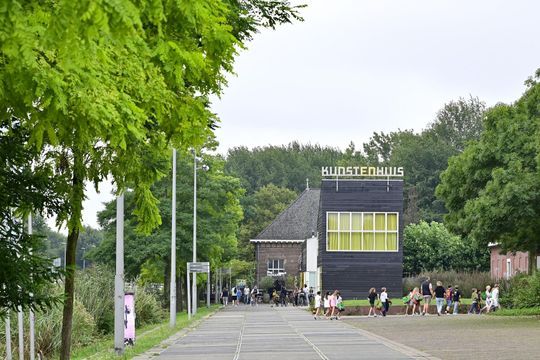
(499, 261)
(290, 252)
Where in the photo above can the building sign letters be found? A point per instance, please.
(369, 171)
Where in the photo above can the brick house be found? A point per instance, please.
(278, 248)
(505, 265)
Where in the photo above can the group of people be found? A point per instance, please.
(281, 296)
(330, 306)
(447, 300)
(239, 295)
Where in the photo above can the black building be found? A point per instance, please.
(360, 227)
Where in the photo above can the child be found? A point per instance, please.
(238, 296)
(332, 301)
(408, 301)
(449, 295)
(318, 305)
(474, 300)
(416, 300)
(339, 305)
(372, 296)
(385, 301)
(326, 302)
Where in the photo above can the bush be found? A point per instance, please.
(95, 289)
(147, 308)
(521, 291)
(465, 280)
(266, 283)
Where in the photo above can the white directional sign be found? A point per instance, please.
(199, 267)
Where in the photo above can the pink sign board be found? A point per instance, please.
(129, 318)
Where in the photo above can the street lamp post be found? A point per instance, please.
(172, 288)
(196, 160)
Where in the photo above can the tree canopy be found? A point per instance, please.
(492, 189)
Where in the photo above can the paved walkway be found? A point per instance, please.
(266, 333)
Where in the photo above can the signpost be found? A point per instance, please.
(197, 267)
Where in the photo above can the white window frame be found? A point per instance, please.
(338, 231)
(275, 271)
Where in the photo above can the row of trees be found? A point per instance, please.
(93, 90)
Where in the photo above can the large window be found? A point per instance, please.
(275, 267)
(361, 231)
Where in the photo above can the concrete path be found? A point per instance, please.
(266, 333)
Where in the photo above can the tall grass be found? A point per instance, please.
(48, 326)
(465, 280)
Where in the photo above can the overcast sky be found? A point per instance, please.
(355, 67)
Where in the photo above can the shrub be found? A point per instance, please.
(266, 283)
(465, 280)
(95, 289)
(521, 291)
(147, 308)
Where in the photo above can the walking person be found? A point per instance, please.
(439, 297)
(339, 305)
(416, 301)
(448, 296)
(495, 298)
(255, 296)
(474, 302)
(233, 296)
(372, 296)
(456, 299)
(407, 300)
(332, 302)
(238, 295)
(385, 301)
(487, 307)
(326, 303)
(247, 295)
(319, 309)
(225, 296)
(427, 294)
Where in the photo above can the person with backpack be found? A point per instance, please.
(407, 300)
(339, 305)
(474, 302)
(416, 301)
(427, 293)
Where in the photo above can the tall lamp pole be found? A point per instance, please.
(196, 160)
(119, 278)
(172, 310)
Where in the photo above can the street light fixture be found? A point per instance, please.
(204, 167)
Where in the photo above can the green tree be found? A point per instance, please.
(430, 246)
(260, 209)
(286, 166)
(25, 273)
(105, 87)
(218, 217)
(492, 189)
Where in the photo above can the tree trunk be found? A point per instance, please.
(74, 223)
(179, 304)
(167, 284)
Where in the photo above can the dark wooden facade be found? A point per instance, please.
(355, 272)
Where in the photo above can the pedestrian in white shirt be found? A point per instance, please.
(384, 300)
(319, 310)
(247, 293)
(495, 297)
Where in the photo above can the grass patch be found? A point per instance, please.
(395, 302)
(535, 311)
(147, 337)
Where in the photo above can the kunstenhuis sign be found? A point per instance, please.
(358, 171)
